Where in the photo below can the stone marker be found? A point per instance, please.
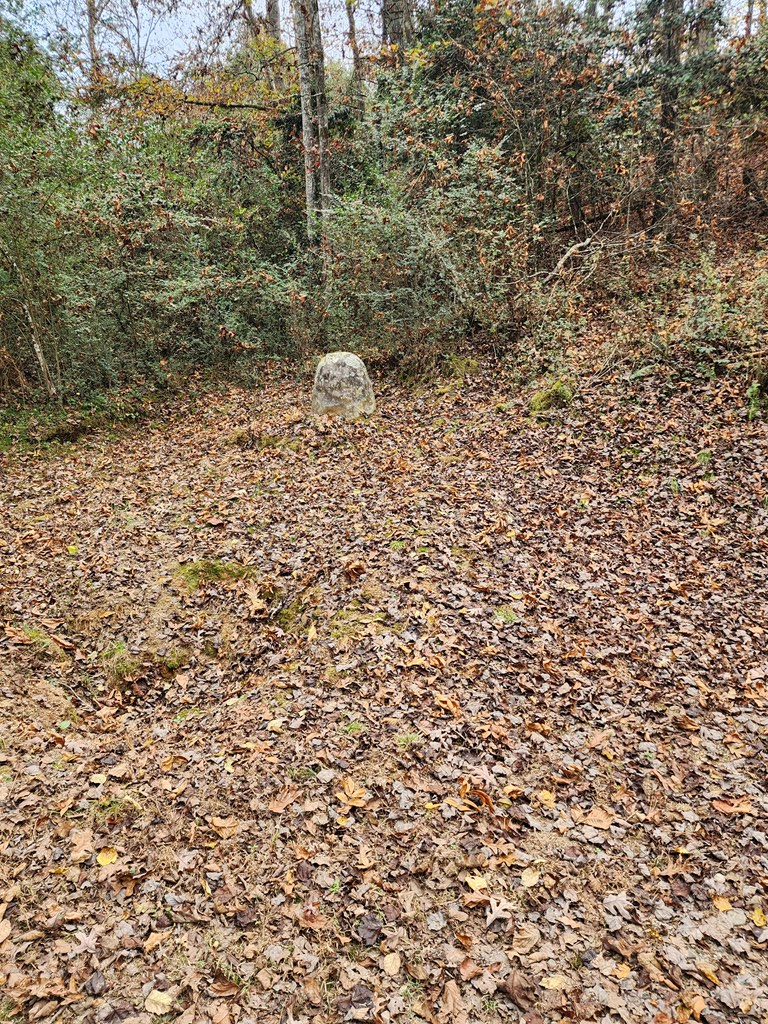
(342, 387)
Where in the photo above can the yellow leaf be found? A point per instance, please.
(708, 970)
(391, 964)
(622, 971)
(108, 855)
(276, 725)
(476, 882)
(98, 779)
(722, 903)
(547, 799)
(530, 877)
(159, 1002)
(758, 917)
(557, 982)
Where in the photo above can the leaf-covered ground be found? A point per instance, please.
(453, 715)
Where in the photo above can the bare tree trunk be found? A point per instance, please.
(269, 25)
(358, 96)
(307, 122)
(672, 14)
(93, 15)
(268, 22)
(273, 20)
(317, 55)
(34, 334)
(396, 23)
(749, 17)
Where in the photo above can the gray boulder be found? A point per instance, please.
(342, 387)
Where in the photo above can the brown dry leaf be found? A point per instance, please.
(312, 991)
(556, 982)
(452, 1005)
(82, 845)
(520, 989)
(224, 827)
(449, 704)
(735, 805)
(221, 1014)
(708, 970)
(283, 799)
(526, 938)
(154, 940)
(223, 987)
(530, 877)
(5, 930)
(391, 964)
(352, 795)
(599, 817)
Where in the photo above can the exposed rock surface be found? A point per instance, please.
(342, 387)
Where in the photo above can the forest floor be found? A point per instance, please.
(451, 715)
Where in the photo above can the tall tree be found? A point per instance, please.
(314, 114)
(396, 23)
(671, 22)
(357, 65)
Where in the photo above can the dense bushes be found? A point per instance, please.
(521, 163)
(129, 243)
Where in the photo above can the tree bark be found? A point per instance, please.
(396, 23)
(314, 114)
(317, 54)
(749, 18)
(93, 15)
(307, 122)
(672, 14)
(358, 96)
(273, 20)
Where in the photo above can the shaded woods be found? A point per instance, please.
(508, 178)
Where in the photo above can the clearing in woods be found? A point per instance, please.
(452, 715)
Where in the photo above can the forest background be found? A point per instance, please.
(512, 181)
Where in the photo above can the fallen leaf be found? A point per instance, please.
(82, 845)
(708, 970)
(530, 877)
(391, 964)
(154, 940)
(520, 989)
(735, 805)
(224, 827)
(555, 982)
(526, 938)
(283, 799)
(452, 1007)
(107, 855)
(598, 817)
(160, 1002)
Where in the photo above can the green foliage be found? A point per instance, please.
(557, 395)
(516, 161)
(757, 392)
(207, 570)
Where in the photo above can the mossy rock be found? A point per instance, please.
(557, 395)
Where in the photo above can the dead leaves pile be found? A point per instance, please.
(462, 720)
